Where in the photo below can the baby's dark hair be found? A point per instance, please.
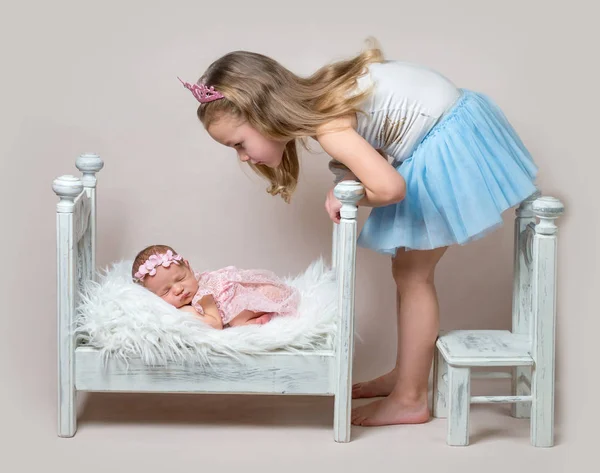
(143, 255)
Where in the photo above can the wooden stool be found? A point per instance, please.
(528, 348)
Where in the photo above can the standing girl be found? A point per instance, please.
(439, 165)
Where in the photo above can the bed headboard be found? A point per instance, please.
(75, 238)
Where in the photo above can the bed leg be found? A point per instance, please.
(67, 188)
(349, 193)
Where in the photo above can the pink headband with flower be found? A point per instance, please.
(154, 261)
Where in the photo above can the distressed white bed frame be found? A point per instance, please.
(81, 368)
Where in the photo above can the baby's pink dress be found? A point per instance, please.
(235, 290)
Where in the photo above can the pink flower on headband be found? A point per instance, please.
(202, 93)
(150, 265)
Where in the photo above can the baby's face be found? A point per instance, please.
(175, 284)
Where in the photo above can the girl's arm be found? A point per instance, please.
(383, 184)
(348, 176)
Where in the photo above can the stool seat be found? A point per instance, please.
(485, 348)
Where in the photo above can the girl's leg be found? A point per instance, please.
(383, 385)
(418, 324)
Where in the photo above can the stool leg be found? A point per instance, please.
(521, 382)
(440, 386)
(459, 403)
(522, 301)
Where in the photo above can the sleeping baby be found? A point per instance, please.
(227, 297)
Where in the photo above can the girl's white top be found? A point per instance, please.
(406, 102)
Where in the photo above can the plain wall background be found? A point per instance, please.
(83, 76)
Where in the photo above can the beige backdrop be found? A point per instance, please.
(102, 76)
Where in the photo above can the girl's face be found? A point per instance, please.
(247, 141)
(175, 284)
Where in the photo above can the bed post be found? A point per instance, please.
(543, 295)
(348, 193)
(67, 188)
(89, 164)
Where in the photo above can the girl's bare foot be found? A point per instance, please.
(391, 410)
(377, 387)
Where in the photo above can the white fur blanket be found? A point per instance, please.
(124, 320)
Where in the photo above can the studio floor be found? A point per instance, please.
(158, 432)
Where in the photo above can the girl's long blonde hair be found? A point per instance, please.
(282, 105)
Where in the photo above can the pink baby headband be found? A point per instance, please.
(150, 265)
(202, 93)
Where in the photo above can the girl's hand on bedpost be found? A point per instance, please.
(333, 206)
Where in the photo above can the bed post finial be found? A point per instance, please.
(547, 209)
(89, 164)
(66, 188)
(349, 193)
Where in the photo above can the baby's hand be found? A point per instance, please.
(190, 309)
(214, 322)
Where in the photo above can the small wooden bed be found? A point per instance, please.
(81, 368)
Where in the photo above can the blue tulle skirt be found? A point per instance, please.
(467, 171)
